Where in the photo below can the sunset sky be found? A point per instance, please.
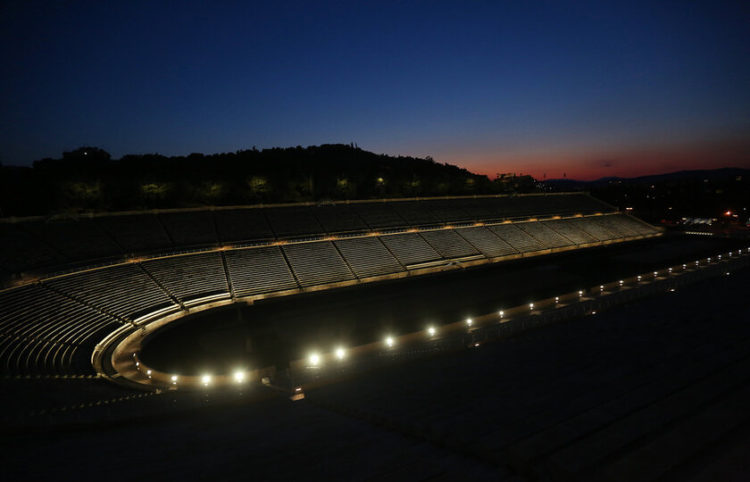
(543, 88)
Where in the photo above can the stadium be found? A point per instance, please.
(102, 314)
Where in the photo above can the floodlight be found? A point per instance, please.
(389, 341)
(340, 353)
(206, 380)
(314, 359)
(469, 321)
(239, 376)
(431, 331)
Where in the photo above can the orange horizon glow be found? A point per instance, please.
(595, 164)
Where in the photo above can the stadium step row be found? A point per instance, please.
(44, 325)
(54, 244)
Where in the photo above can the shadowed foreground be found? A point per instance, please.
(652, 391)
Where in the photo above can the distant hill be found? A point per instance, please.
(726, 172)
(89, 180)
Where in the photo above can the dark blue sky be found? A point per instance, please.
(589, 89)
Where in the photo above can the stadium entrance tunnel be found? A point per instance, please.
(269, 334)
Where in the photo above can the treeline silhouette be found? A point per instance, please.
(89, 180)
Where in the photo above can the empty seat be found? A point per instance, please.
(242, 225)
(410, 248)
(317, 263)
(368, 257)
(191, 228)
(571, 231)
(259, 270)
(123, 290)
(190, 277)
(449, 244)
(487, 242)
(515, 237)
(546, 237)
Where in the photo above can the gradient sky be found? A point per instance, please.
(586, 89)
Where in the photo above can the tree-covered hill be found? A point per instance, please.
(89, 180)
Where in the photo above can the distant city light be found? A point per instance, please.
(340, 353)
